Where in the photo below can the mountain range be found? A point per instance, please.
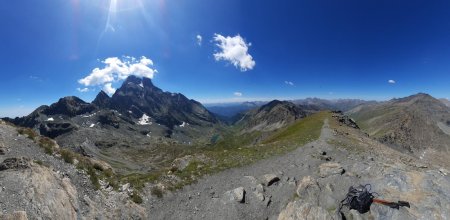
(132, 154)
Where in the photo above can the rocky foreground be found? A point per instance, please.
(307, 183)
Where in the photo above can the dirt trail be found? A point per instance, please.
(203, 200)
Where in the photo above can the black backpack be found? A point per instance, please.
(358, 198)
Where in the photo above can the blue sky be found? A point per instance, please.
(291, 49)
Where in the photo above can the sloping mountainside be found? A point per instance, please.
(302, 171)
(446, 102)
(418, 124)
(271, 116)
(40, 180)
(324, 104)
(138, 119)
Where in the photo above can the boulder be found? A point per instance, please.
(181, 163)
(237, 195)
(259, 192)
(308, 189)
(299, 210)
(15, 163)
(270, 179)
(331, 168)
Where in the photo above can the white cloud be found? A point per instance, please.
(109, 89)
(118, 69)
(238, 94)
(289, 83)
(391, 81)
(235, 50)
(83, 89)
(199, 39)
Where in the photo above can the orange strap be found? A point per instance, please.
(380, 201)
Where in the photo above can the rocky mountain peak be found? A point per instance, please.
(102, 100)
(139, 96)
(69, 106)
(276, 103)
(416, 97)
(272, 116)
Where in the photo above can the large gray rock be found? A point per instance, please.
(331, 168)
(308, 190)
(236, 195)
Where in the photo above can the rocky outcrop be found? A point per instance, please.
(270, 179)
(15, 163)
(331, 168)
(47, 195)
(309, 190)
(344, 120)
(55, 129)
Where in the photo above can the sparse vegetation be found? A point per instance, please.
(93, 177)
(67, 155)
(138, 180)
(98, 167)
(28, 132)
(47, 144)
(156, 191)
(136, 198)
(41, 163)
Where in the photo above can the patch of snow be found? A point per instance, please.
(88, 116)
(92, 125)
(144, 120)
(50, 119)
(183, 124)
(142, 84)
(130, 112)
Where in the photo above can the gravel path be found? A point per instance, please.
(205, 200)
